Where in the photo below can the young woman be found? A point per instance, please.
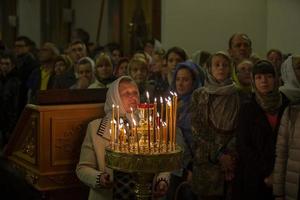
(257, 129)
(214, 113)
(185, 81)
(103, 72)
(138, 71)
(174, 56)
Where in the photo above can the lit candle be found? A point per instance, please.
(118, 119)
(154, 120)
(175, 116)
(170, 122)
(128, 137)
(113, 120)
(167, 122)
(164, 125)
(136, 136)
(158, 137)
(148, 118)
(161, 108)
(110, 137)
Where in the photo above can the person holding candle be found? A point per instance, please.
(214, 112)
(91, 170)
(186, 80)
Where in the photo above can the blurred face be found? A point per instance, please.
(60, 67)
(21, 48)
(85, 70)
(264, 83)
(184, 82)
(156, 64)
(296, 66)
(139, 72)
(122, 69)
(6, 65)
(129, 94)
(149, 48)
(104, 71)
(77, 51)
(115, 56)
(172, 60)
(240, 48)
(244, 70)
(46, 54)
(275, 59)
(220, 68)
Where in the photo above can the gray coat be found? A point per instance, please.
(286, 174)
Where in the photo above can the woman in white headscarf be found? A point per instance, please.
(286, 173)
(289, 73)
(91, 167)
(91, 170)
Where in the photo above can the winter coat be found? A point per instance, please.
(287, 165)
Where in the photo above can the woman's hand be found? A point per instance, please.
(161, 189)
(269, 181)
(227, 162)
(105, 180)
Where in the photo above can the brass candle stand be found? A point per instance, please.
(143, 167)
(146, 146)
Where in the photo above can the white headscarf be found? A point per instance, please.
(113, 97)
(291, 86)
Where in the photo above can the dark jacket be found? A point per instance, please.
(34, 84)
(25, 64)
(10, 102)
(256, 142)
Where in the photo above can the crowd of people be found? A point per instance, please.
(238, 116)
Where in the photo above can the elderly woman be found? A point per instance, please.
(91, 170)
(257, 129)
(214, 112)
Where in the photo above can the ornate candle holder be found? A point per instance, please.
(147, 146)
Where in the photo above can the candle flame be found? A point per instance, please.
(131, 109)
(175, 94)
(157, 114)
(147, 95)
(161, 100)
(117, 106)
(171, 93)
(155, 100)
(113, 105)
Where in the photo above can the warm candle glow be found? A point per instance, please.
(154, 132)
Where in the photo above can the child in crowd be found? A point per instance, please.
(86, 70)
(121, 68)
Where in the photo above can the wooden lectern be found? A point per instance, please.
(46, 142)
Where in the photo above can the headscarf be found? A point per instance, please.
(113, 97)
(225, 99)
(291, 86)
(237, 82)
(183, 117)
(272, 101)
